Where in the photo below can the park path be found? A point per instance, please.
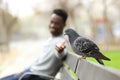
(21, 55)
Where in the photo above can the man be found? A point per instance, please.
(51, 60)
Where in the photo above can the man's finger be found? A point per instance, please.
(56, 47)
(63, 44)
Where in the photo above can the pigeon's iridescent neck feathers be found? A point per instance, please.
(73, 35)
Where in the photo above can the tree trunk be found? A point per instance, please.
(108, 26)
(92, 24)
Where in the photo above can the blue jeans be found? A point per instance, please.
(17, 76)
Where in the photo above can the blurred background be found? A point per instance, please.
(24, 28)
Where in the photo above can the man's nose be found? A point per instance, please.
(52, 25)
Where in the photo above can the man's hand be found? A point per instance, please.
(61, 47)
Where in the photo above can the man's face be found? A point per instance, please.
(56, 25)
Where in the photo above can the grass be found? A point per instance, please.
(114, 55)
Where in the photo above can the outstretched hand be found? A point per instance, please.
(61, 47)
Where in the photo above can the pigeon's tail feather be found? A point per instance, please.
(100, 61)
(99, 55)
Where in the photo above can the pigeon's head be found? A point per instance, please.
(71, 33)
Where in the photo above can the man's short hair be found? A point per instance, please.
(62, 13)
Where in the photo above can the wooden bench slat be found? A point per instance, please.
(66, 75)
(72, 61)
(85, 72)
(90, 71)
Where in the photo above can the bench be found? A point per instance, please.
(79, 69)
(75, 68)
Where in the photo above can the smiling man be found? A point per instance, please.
(53, 54)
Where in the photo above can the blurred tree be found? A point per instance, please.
(6, 25)
(91, 19)
(116, 3)
(71, 7)
(108, 24)
(0, 1)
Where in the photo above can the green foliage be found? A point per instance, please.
(114, 55)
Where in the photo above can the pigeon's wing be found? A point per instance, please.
(88, 48)
(83, 45)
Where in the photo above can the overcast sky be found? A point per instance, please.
(24, 8)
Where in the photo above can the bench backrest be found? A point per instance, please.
(86, 70)
(70, 63)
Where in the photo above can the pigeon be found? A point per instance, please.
(84, 47)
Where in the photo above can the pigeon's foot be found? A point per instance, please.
(83, 57)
